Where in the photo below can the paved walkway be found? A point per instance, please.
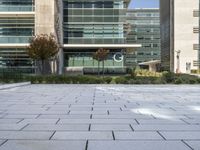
(89, 117)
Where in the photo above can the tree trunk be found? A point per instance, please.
(43, 67)
(98, 67)
(103, 68)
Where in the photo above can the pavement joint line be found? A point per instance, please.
(108, 112)
(161, 135)
(113, 135)
(57, 121)
(187, 117)
(38, 116)
(89, 129)
(153, 116)
(137, 121)
(43, 106)
(68, 112)
(187, 144)
(24, 127)
(20, 121)
(3, 142)
(52, 135)
(131, 127)
(172, 109)
(185, 121)
(47, 108)
(90, 116)
(86, 145)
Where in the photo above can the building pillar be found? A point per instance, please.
(44, 17)
(60, 63)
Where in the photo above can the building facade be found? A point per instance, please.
(17, 25)
(81, 28)
(145, 30)
(179, 35)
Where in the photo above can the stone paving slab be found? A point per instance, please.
(23, 135)
(20, 116)
(43, 145)
(97, 121)
(14, 85)
(50, 127)
(81, 116)
(193, 121)
(161, 127)
(6, 121)
(185, 135)
(11, 127)
(132, 116)
(160, 121)
(100, 117)
(121, 135)
(88, 112)
(137, 145)
(40, 121)
(93, 135)
(110, 127)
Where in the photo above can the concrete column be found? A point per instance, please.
(60, 62)
(44, 16)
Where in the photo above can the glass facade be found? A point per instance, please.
(85, 59)
(145, 30)
(93, 22)
(16, 5)
(16, 58)
(16, 30)
(83, 22)
(167, 59)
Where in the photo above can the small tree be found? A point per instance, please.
(101, 55)
(42, 48)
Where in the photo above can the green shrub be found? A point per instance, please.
(178, 81)
(63, 79)
(198, 80)
(187, 79)
(107, 80)
(192, 81)
(169, 77)
(131, 71)
(121, 80)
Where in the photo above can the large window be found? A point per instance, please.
(85, 59)
(94, 22)
(16, 29)
(15, 58)
(16, 5)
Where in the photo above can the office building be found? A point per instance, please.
(145, 30)
(16, 27)
(179, 35)
(81, 28)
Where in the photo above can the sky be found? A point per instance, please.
(144, 4)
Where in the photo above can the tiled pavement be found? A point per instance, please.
(100, 117)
